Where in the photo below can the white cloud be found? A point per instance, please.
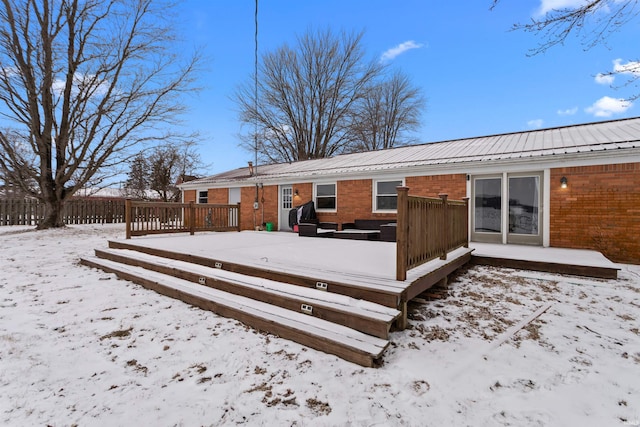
(631, 67)
(549, 5)
(604, 79)
(87, 82)
(607, 106)
(568, 111)
(537, 123)
(390, 54)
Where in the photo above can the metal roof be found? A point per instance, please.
(560, 141)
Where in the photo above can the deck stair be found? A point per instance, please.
(353, 329)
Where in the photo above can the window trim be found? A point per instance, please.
(199, 196)
(335, 196)
(374, 192)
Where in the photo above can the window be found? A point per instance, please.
(326, 197)
(386, 195)
(203, 196)
(287, 198)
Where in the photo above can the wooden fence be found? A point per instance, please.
(144, 218)
(75, 211)
(428, 228)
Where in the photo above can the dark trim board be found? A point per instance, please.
(549, 267)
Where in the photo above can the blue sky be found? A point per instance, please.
(473, 70)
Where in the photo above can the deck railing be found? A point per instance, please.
(428, 228)
(76, 210)
(144, 218)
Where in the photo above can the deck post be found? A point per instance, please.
(192, 218)
(466, 219)
(127, 218)
(402, 237)
(238, 217)
(403, 321)
(445, 226)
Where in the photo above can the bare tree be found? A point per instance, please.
(160, 168)
(84, 81)
(386, 114)
(306, 97)
(593, 21)
(137, 182)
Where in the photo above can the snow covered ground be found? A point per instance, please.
(79, 347)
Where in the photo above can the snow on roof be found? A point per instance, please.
(561, 141)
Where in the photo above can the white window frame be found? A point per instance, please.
(335, 195)
(199, 196)
(374, 192)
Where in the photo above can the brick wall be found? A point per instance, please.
(599, 209)
(189, 196)
(268, 198)
(355, 197)
(305, 193)
(430, 186)
(218, 196)
(247, 197)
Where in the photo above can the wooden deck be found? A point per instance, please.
(341, 295)
(578, 262)
(334, 295)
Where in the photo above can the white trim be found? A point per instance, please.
(546, 206)
(505, 207)
(469, 205)
(374, 194)
(315, 195)
(282, 221)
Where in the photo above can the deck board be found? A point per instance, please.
(361, 315)
(307, 330)
(580, 262)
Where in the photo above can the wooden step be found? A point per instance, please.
(364, 316)
(378, 295)
(310, 331)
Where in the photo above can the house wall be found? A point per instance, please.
(599, 209)
(189, 196)
(354, 198)
(305, 193)
(218, 196)
(354, 201)
(267, 212)
(455, 185)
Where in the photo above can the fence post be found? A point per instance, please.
(466, 220)
(127, 218)
(445, 225)
(238, 217)
(402, 233)
(192, 218)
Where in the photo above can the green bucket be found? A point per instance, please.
(269, 226)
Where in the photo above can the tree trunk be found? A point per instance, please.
(53, 209)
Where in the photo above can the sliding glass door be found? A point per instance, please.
(487, 212)
(507, 208)
(524, 209)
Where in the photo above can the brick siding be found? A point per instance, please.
(455, 186)
(599, 209)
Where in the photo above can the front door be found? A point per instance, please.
(234, 199)
(507, 208)
(286, 204)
